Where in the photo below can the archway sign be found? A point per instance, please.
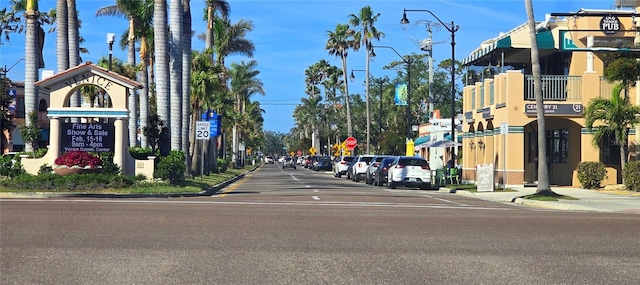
(85, 133)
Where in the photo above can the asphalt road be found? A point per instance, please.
(296, 226)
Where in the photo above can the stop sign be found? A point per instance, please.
(299, 153)
(351, 142)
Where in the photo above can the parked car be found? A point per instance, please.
(299, 160)
(360, 165)
(373, 166)
(269, 159)
(409, 171)
(308, 163)
(380, 174)
(322, 163)
(341, 165)
(288, 162)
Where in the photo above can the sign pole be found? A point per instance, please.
(504, 129)
(201, 159)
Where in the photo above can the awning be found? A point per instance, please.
(517, 38)
(422, 139)
(448, 137)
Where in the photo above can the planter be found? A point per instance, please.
(67, 171)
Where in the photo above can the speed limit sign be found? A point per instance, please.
(202, 130)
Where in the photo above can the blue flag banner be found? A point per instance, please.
(401, 95)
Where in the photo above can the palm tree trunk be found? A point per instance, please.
(162, 65)
(31, 63)
(186, 78)
(346, 95)
(133, 100)
(74, 46)
(62, 39)
(175, 63)
(544, 187)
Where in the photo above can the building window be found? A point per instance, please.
(557, 146)
(609, 149)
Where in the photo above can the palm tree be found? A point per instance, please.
(175, 69)
(186, 76)
(162, 63)
(338, 44)
(32, 61)
(62, 38)
(616, 114)
(213, 6)
(544, 188)
(244, 84)
(203, 84)
(368, 31)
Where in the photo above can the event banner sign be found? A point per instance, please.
(401, 95)
(89, 137)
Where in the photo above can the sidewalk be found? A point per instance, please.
(588, 200)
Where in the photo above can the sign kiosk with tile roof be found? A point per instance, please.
(61, 87)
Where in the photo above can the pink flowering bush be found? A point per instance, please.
(77, 158)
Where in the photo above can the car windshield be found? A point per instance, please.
(348, 158)
(412, 162)
(366, 159)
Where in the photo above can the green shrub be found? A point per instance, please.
(631, 175)
(223, 164)
(44, 169)
(10, 166)
(108, 167)
(171, 167)
(591, 174)
(141, 152)
(54, 182)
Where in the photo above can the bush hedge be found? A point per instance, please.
(591, 174)
(171, 167)
(631, 175)
(53, 182)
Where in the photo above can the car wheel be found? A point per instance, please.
(391, 185)
(338, 175)
(356, 178)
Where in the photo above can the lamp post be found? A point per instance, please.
(452, 29)
(407, 61)
(111, 38)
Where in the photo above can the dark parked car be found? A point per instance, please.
(322, 163)
(380, 175)
(373, 166)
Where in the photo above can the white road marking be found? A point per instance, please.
(316, 191)
(294, 178)
(315, 198)
(274, 203)
(446, 201)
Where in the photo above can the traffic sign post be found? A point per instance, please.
(202, 133)
(351, 143)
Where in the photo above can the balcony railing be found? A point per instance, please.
(555, 88)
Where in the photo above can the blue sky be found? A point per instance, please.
(291, 35)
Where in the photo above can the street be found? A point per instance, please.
(297, 226)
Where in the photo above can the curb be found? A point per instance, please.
(552, 205)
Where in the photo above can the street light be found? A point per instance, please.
(452, 29)
(111, 38)
(407, 61)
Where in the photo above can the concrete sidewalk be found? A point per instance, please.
(588, 200)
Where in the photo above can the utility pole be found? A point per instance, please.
(431, 97)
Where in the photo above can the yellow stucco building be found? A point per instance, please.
(500, 125)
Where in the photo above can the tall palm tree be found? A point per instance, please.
(161, 53)
(32, 61)
(338, 44)
(616, 114)
(365, 21)
(544, 187)
(213, 6)
(62, 37)
(186, 76)
(175, 70)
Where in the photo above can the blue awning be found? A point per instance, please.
(422, 139)
(448, 137)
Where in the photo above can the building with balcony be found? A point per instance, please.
(500, 123)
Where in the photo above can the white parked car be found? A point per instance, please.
(411, 171)
(269, 159)
(360, 166)
(341, 165)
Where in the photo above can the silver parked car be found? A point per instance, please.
(373, 166)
